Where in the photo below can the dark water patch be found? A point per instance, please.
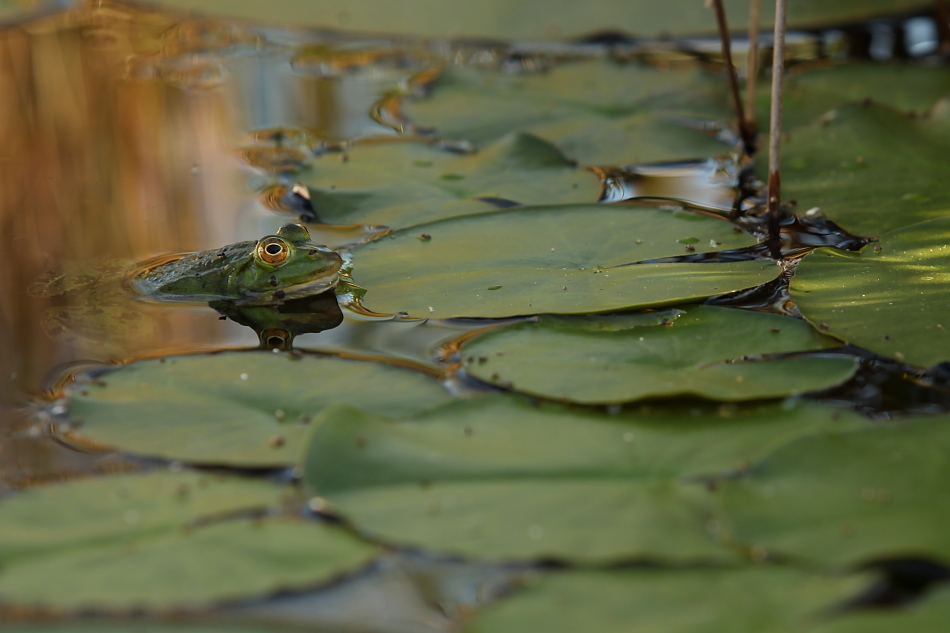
(802, 233)
(884, 388)
(769, 297)
(902, 581)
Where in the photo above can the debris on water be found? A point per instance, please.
(769, 297)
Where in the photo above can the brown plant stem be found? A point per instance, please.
(752, 63)
(774, 211)
(746, 133)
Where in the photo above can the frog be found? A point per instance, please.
(268, 271)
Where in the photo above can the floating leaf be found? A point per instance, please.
(814, 92)
(847, 498)
(596, 112)
(869, 168)
(390, 184)
(161, 539)
(889, 298)
(549, 259)
(496, 477)
(612, 359)
(236, 408)
(745, 600)
(534, 19)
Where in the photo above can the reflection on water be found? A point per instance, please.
(119, 143)
(128, 134)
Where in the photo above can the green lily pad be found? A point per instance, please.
(506, 434)
(813, 92)
(869, 168)
(746, 600)
(402, 184)
(497, 477)
(549, 259)
(235, 408)
(928, 615)
(160, 540)
(888, 298)
(597, 112)
(613, 359)
(533, 19)
(846, 498)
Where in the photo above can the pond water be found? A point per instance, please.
(560, 365)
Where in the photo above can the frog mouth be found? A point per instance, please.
(313, 287)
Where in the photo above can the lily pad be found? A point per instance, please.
(532, 19)
(888, 298)
(402, 184)
(160, 540)
(812, 92)
(596, 112)
(235, 408)
(497, 477)
(847, 498)
(613, 359)
(746, 600)
(549, 259)
(870, 168)
(506, 434)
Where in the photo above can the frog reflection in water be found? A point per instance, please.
(268, 271)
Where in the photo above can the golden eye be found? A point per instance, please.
(273, 251)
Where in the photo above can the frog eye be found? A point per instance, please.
(273, 251)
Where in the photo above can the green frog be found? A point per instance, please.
(269, 271)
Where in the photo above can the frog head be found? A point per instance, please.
(284, 266)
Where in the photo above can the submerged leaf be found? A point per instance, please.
(159, 540)
(889, 298)
(236, 408)
(549, 259)
(612, 359)
(501, 478)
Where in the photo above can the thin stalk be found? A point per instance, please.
(752, 63)
(942, 16)
(775, 131)
(745, 131)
